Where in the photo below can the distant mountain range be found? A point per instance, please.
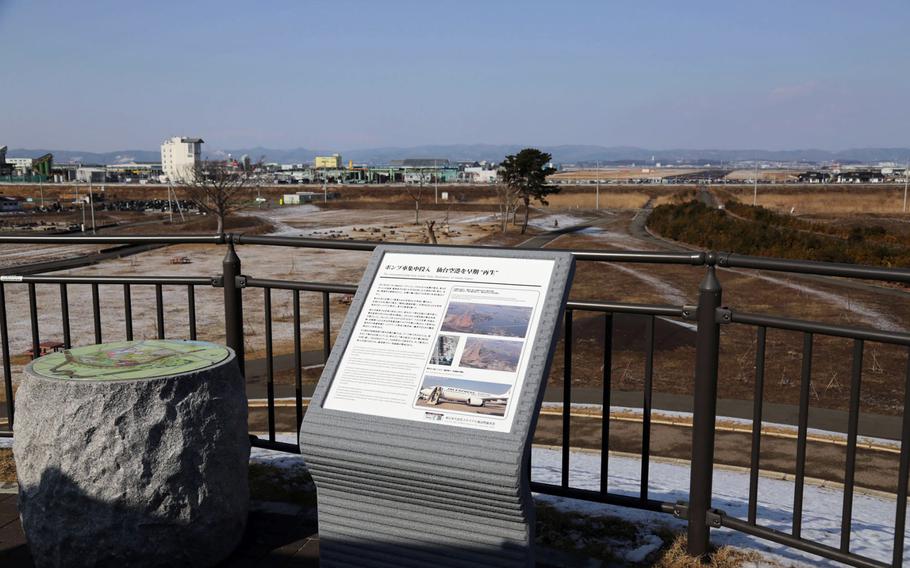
(564, 154)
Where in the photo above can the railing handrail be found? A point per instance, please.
(696, 258)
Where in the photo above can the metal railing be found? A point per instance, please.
(709, 314)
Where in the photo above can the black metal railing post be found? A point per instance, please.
(233, 303)
(705, 410)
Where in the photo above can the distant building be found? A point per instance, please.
(332, 162)
(5, 169)
(421, 163)
(40, 166)
(479, 174)
(134, 172)
(9, 204)
(43, 165)
(21, 166)
(813, 177)
(87, 174)
(179, 158)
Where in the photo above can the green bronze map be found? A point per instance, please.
(130, 360)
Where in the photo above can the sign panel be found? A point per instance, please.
(443, 339)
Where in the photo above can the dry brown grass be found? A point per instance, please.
(609, 199)
(834, 201)
(776, 176)
(7, 466)
(724, 557)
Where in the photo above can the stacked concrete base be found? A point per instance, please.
(393, 498)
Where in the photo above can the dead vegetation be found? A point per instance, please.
(7, 466)
(675, 556)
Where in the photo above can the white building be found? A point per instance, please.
(180, 157)
(88, 174)
(20, 165)
(480, 174)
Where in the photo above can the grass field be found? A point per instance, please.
(823, 200)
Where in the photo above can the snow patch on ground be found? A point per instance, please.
(873, 516)
(671, 293)
(277, 218)
(550, 222)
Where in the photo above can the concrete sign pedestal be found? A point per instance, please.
(419, 431)
(133, 454)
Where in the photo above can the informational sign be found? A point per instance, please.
(443, 339)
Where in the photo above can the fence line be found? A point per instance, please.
(709, 314)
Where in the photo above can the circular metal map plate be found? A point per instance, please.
(129, 360)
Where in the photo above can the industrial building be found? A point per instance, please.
(10, 204)
(180, 157)
(327, 162)
(5, 169)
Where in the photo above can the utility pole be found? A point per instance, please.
(755, 185)
(170, 208)
(906, 179)
(325, 191)
(436, 181)
(91, 205)
(597, 195)
(82, 202)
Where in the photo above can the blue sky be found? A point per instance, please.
(98, 75)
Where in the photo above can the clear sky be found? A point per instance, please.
(98, 75)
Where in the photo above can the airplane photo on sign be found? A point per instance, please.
(479, 397)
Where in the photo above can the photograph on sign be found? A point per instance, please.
(485, 319)
(477, 397)
(444, 339)
(491, 354)
(444, 352)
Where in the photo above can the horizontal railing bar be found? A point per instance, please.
(302, 242)
(732, 260)
(165, 280)
(303, 286)
(616, 307)
(598, 497)
(820, 328)
(695, 258)
(258, 442)
(800, 544)
(113, 239)
(646, 257)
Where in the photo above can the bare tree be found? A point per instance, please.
(221, 188)
(416, 194)
(431, 231)
(508, 204)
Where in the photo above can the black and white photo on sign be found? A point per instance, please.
(444, 350)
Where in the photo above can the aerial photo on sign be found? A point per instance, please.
(491, 354)
(479, 397)
(487, 319)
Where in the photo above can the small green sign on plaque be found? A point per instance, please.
(130, 360)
